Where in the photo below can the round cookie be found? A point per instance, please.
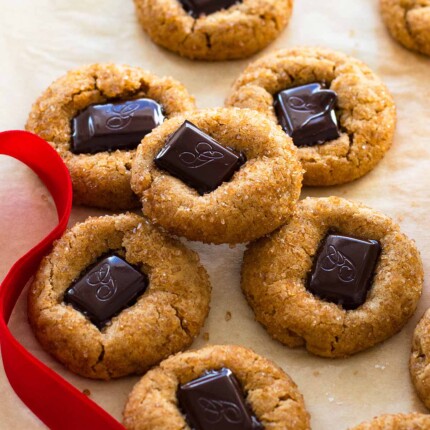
(420, 359)
(364, 109)
(412, 421)
(276, 272)
(408, 21)
(259, 197)
(102, 179)
(273, 397)
(229, 33)
(163, 320)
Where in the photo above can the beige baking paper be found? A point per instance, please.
(41, 39)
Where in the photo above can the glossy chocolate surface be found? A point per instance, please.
(306, 113)
(205, 7)
(215, 401)
(343, 270)
(111, 126)
(198, 159)
(106, 289)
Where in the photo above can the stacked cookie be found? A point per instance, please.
(119, 295)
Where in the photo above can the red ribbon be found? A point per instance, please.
(54, 400)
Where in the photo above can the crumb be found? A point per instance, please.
(316, 373)
(87, 392)
(206, 336)
(355, 373)
(228, 316)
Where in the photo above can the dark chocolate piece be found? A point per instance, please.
(205, 7)
(343, 270)
(306, 113)
(197, 159)
(215, 401)
(110, 126)
(106, 289)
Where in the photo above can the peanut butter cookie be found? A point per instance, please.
(95, 116)
(338, 278)
(213, 29)
(217, 387)
(217, 175)
(420, 359)
(408, 21)
(116, 296)
(338, 112)
(397, 422)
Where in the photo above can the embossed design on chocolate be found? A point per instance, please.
(197, 159)
(219, 410)
(205, 155)
(111, 126)
(122, 116)
(105, 289)
(103, 281)
(306, 113)
(215, 401)
(335, 259)
(343, 270)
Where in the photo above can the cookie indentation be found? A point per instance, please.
(197, 159)
(343, 270)
(106, 289)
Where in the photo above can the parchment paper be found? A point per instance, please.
(41, 39)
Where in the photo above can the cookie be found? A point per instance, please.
(337, 279)
(214, 29)
(413, 421)
(420, 359)
(116, 296)
(408, 21)
(339, 113)
(228, 387)
(219, 175)
(89, 114)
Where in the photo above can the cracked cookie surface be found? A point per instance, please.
(365, 109)
(275, 271)
(419, 363)
(164, 320)
(259, 197)
(408, 21)
(413, 421)
(103, 179)
(272, 395)
(237, 32)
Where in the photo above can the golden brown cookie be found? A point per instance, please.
(101, 179)
(165, 318)
(276, 272)
(364, 109)
(408, 21)
(412, 421)
(256, 200)
(273, 397)
(420, 359)
(237, 31)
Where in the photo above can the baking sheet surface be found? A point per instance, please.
(40, 40)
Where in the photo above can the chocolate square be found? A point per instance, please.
(111, 126)
(306, 113)
(205, 7)
(198, 159)
(106, 289)
(215, 401)
(343, 270)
